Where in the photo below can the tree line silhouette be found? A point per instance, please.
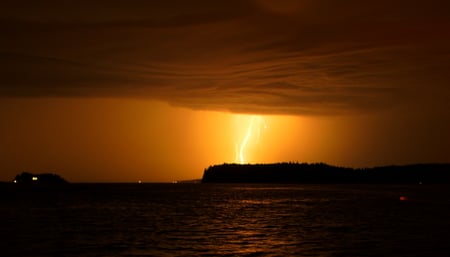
(289, 172)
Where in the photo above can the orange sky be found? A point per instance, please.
(152, 90)
(110, 140)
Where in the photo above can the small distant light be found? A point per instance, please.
(34, 178)
(403, 198)
(15, 181)
(139, 182)
(174, 182)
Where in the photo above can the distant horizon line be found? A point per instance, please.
(196, 180)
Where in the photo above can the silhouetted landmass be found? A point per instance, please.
(45, 178)
(190, 181)
(323, 173)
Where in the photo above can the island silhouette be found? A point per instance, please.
(44, 178)
(321, 173)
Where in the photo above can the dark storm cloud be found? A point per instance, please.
(296, 57)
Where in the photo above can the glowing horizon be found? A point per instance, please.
(121, 140)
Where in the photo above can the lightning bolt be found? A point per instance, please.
(254, 126)
(245, 140)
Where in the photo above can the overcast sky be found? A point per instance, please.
(300, 57)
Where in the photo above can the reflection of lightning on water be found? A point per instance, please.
(254, 121)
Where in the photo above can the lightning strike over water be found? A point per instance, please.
(253, 132)
(245, 140)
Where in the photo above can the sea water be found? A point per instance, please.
(224, 220)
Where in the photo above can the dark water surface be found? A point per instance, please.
(233, 220)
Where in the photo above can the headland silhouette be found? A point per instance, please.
(320, 173)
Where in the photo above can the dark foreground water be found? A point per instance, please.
(233, 220)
